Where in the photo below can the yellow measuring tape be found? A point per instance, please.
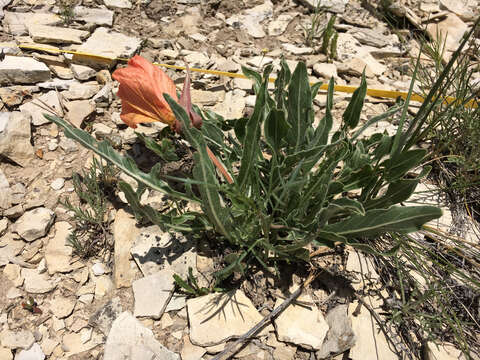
(389, 94)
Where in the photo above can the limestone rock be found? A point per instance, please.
(128, 338)
(233, 105)
(56, 35)
(82, 91)
(34, 353)
(21, 339)
(15, 143)
(36, 283)
(5, 191)
(118, 4)
(442, 352)
(340, 336)
(464, 9)
(35, 108)
(82, 72)
(97, 16)
(450, 30)
(252, 19)
(152, 292)
(325, 70)
(103, 318)
(124, 233)
(233, 313)
(279, 25)
(17, 22)
(79, 111)
(190, 351)
(22, 70)
(153, 250)
(371, 37)
(369, 339)
(62, 307)
(34, 223)
(301, 325)
(72, 343)
(5, 354)
(336, 6)
(103, 285)
(12, 272)
(296, 50)
(107, 43)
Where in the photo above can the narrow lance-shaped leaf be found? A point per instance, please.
(203, 171)
(125, 164)
(299, 105)
(251, 147)
(380, 221)
(351, 116)
(276, 128)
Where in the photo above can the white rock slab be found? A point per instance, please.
(297, 50)
(190, 351)
(369, 339)
(124, 234)
(22, 339)
(79, 111)
(279, 25)
(34, 224)
(82, 72)
(15, 134)
(16, 23)
(36, 283)
(35, 108)
(5, 354)
(337, 6)
(340, 336)
(107, 43)
(97, 16)
(62, 307)
(325, 70)
(155, 250)
(34, 353)
(81, 91)
(233, 105)
(218, 317)
(72, 343)
(56, 35)
(443, 351)
(301, 324)
(22, 70)
(450, 30)
(128, 338)
(152, 292)
(118, 4)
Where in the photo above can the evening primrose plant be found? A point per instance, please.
(272, 186)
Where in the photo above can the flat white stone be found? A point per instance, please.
(124, 234)
(57, 184)
(153, 251)
(217, 317)
(34, 353)
(279, 25)
(337, 6)
(62, 307)
(325, 70)
(97, 16)
(301, 324)
(152, 292)
(107, 43)
(15, 134)
(34, 224)
(56, 35)
(22, 70)
(22, 339)
(82, 72)
(36, 109)
(79, 111)
(296, 50)
(118, 4)
(57, 253)
(129, 339)
(17, 22)
(36, 283)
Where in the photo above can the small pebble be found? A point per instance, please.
(57, 184)
(98, 269)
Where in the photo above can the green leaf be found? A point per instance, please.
(164, 149)
(405, 161)
(276, 128)
(254, 76)
(351, 116)
(283, 78)
(203, 172)
(125, 164)
(251, 148)
(397, 192)
(380, 221)
(325, 126)
(299, 104)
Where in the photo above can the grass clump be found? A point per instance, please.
(91, 235)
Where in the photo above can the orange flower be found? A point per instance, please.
(142, 86)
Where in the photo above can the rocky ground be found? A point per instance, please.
(120, 306)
